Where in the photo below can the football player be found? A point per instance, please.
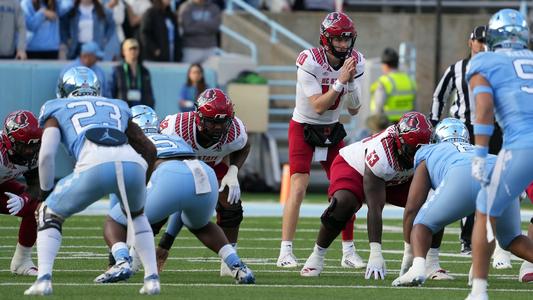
(501, 83)
(99, 133)
(375, 171)
(219, 139)
(327, 82)
(179, 185)
(19, 148)
(526, 269)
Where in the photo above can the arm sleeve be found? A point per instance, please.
(49, 143)
(441, 95)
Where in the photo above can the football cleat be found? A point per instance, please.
(25, 267)
(151, 285)
(313, 266)
(501, 259)
(41, 287)
(352, 260)
(119, 272)
(287, 261)
(225, 270)
(483, 296)
(242, 274)
(526, 272)
(435, 272)
(466, 248)
(410, 279)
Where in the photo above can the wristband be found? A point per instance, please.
(482, 89)
(338, 86)
(481, 151)
(483, 129)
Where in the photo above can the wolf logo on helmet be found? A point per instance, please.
(214, 114)
(24, 135)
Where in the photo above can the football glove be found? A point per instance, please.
(15, 203)
(376, 263)
(232, 182)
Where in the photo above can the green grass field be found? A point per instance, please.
(192, 271)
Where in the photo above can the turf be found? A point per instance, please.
(192, 272)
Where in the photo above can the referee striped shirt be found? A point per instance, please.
(453, 80)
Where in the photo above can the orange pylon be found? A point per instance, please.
(285, 184)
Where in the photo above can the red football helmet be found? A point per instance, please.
(337, 24)
(23, 136)
(214, 114)
(414, 130)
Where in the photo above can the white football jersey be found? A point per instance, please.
(377, 153)
(314, 62)
(9, 170)
(183, 125)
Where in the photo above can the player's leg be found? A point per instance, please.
(71, 195)
(467, 225)
(346, 192)
(526, 269)
(21, 263)
(133, 180)
(300, 157)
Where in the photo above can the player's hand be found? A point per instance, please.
(14, 204)
(347, 70)
(232, 182)
(478, 169)
(161, 255)
(376, 263)
(407, 260)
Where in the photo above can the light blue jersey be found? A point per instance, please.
(510, 74)
(442, 157)
(170, 146)
(76, 115)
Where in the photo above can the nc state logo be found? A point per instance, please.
(17, 121)
(409, 123)
(331, 19)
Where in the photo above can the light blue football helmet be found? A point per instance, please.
(146, 118)
(450, 130)
(78, 81)
(507, 29)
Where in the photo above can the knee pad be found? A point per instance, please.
(336, 216)
(229, 217)
(47, 218)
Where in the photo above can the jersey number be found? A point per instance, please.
(524, 70)
(163, 143)
(325, 89)
(90, 111)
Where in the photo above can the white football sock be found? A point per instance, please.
(348, 247)
(479, 286)
(319, 250)
(48, 243)
(432, 257)
(22, 253)
(419, 265)
(286, 247)
(144, 244)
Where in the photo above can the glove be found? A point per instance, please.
(161, 255)
(478, 169)
(407, 259)
(376, 263)
(15, 203)
(231, 181)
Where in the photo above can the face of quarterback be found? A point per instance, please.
(341, 43)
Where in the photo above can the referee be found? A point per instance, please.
(462, 108)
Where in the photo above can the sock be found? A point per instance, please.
(419, 265)
(347, 231)
(48, 243)
(22, 253)
(144, 244)
(286, 247)
(120, 251)
(479, 286)
(432, 257)
(319, 250)
(347, 247)
(229, 255)
(28, 228)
